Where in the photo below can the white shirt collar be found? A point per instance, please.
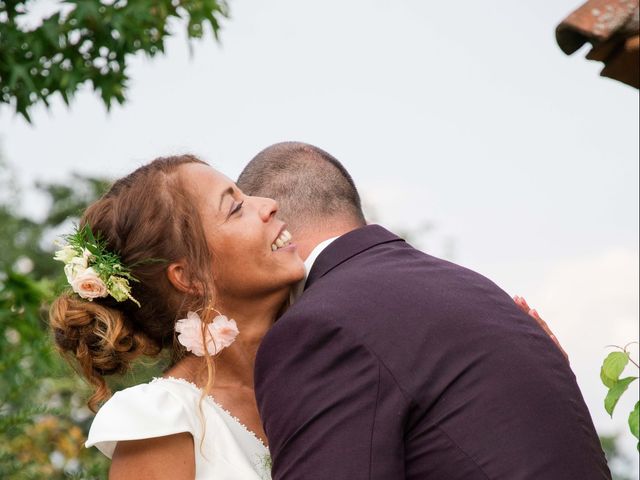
(298, 288)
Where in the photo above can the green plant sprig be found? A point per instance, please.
(104, 262)
(612, 368)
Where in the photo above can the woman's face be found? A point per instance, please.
(253, 253)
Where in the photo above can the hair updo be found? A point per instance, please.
(150, 221)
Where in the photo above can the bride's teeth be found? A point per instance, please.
(283, 240)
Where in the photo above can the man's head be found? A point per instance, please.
(316, 195)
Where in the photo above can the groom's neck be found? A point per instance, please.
(308, 238)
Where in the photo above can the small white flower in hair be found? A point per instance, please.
(219, 334)
(65, 254)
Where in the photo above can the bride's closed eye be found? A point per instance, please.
(235, 208)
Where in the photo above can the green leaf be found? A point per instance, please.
(615, 392)
(612, 367)
(633, 420)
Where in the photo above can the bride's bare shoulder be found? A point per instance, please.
(170, 456)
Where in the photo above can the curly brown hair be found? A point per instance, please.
(150, 221)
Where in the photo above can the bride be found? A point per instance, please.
(167, 259)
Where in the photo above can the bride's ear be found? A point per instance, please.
(178, 275)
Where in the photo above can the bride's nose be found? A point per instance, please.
(267, 209)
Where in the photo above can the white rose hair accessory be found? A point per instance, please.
(91, 270)
(218, 334)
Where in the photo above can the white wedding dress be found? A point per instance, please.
(167, 406)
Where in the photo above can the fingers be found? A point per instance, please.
(524, 306)
(521, 303)
(534, 313)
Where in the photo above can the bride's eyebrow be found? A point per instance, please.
(228, 191)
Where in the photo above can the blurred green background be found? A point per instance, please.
(43, 415)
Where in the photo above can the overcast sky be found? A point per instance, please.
(464, 115)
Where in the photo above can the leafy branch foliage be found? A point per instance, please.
(89, 41)
(612, 368)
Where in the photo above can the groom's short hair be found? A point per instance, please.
(309, 184)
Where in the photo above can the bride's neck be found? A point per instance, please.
(235, 364)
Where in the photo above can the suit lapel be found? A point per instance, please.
(347, 246)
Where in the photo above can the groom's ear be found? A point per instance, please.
(178, 275)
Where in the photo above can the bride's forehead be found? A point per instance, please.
(205, 177)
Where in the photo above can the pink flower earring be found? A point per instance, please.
(219, 333)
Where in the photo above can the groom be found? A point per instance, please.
(393, 364)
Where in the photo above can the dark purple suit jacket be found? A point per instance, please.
(397, 365)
